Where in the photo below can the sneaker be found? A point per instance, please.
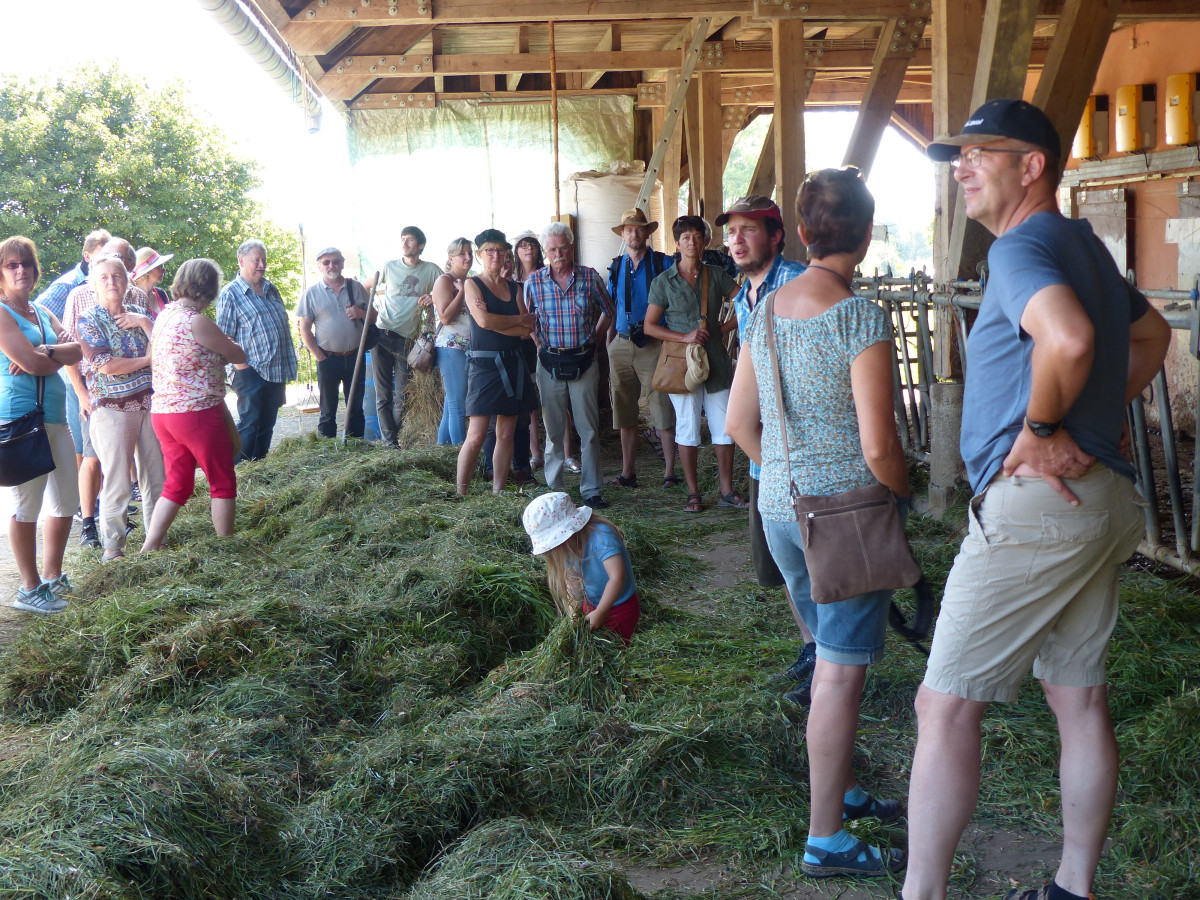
(596, 501)
(39, 600)
(60, 587)
(802, 668)
(801, 695)
(89, 537)
(136, 493)
(572, 465)
(848, 862)
(883, 810)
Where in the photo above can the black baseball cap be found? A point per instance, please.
(492, 236)
(996, 120)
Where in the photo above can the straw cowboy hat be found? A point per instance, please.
(697, 367)
(635, 217)
(552, 518)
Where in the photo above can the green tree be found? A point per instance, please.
(104, 150)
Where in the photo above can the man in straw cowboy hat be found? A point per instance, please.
(1055, 512)
(632, 354)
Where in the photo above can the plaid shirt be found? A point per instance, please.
(260, 326)
(54, 298)
(781, 271)
(566, 318)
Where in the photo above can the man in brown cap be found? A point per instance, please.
(632, 355)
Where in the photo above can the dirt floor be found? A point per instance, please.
(998, 860)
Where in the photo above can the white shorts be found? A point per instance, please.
(687, 416)
(57, 493)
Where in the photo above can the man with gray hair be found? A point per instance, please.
(251, 312)
(332, 315)
(571, 309)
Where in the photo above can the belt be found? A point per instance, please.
(498, 356)
(571, 351)
(339, 352)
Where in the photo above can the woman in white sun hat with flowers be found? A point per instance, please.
(587, 562)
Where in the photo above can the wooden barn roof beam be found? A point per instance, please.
(897, 46)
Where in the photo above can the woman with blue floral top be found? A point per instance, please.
(115, 338)
(836, 358)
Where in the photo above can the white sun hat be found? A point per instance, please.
(552, 518)
(697, 367)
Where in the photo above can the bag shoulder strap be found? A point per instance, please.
(613, 268)
(704, 292)
(777, 382)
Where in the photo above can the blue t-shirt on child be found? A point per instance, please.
(604, 543)
(1046, 249)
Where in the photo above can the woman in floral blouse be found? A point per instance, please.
(115, 338)
(188, 411)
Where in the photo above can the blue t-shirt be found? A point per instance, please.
(18, 393)
(603, 543)
(1046, 249)
(638, 280)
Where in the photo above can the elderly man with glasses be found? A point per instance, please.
(335, 308)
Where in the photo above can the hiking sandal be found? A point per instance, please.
(848, 863)
(883, 810)
(693, 504)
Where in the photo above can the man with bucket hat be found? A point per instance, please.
(1055, 511)
(632, 354)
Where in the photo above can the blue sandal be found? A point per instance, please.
(883, 810)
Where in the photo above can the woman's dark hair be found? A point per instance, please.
(197, 279)
(835, 208)
(539, 261)
(21, 249)
(690, 223)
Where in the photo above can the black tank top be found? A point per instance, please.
(484, 339)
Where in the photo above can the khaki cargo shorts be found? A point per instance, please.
(630, 374)
(1034, 585)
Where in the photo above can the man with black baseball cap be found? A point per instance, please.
(1061, 344)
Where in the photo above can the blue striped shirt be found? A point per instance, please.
(781, 271)
(54, 298)
(259, 324)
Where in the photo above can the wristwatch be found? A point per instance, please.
(1043, 429)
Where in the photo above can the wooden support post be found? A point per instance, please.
(1070, 70)
(895, 50)
(670, 174)
(691, 130)
(1003, 64)
(763, 179)
(521, 46)
(711, 168)
(554, 120)
(787, 63)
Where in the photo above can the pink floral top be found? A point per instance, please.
(187, 376)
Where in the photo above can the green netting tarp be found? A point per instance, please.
(468, 165)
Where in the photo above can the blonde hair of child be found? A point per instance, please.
(563, 561)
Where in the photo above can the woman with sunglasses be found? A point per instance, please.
(33, 347)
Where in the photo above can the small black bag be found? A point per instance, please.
(24, 444)
(567, 365)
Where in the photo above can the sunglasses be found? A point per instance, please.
(23, 264)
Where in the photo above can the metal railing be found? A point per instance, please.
(1172, 534)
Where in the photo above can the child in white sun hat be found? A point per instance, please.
(587, 562)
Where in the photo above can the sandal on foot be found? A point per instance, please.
(672, 481)
(733, 500)
(883, 810)
(693, 504)
(848, 862)
(622, 481)
(1033, 893)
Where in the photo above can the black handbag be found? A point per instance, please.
(24, 444)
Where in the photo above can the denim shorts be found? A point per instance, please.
(849, 632)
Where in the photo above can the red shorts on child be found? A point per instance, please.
(622, 618)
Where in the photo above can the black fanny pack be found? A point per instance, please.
(637, 334)
(567, 365)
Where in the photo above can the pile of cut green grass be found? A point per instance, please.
(367, 693)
